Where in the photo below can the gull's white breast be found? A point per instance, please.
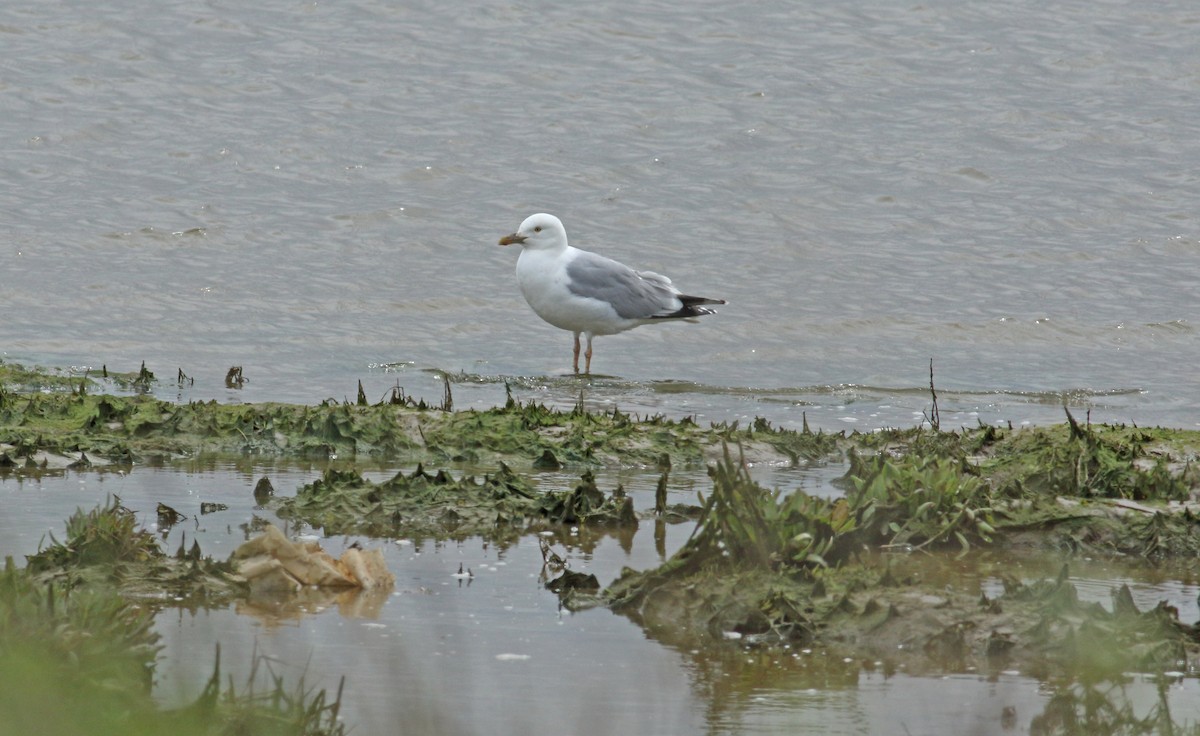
(542, 276)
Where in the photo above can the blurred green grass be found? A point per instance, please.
(78, 659)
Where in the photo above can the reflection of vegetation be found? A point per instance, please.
(1104, 709)
(78, 658)
(761, 567)
(774, 569)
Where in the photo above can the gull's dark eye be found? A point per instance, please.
(538, 229)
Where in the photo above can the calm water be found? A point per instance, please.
(496, 654)
(313, 191)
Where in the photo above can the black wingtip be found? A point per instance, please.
(694, 301)
(692, 307)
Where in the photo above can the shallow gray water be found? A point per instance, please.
(314, 191)
(496, 653)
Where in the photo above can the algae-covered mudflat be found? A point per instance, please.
(731, 571)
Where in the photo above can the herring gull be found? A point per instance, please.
(589, 294)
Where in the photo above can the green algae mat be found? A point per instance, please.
(131, 429)
(760, 567)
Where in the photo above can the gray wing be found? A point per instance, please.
(633, 294)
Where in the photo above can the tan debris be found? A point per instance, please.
(273, 562)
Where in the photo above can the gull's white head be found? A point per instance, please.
(540, 231)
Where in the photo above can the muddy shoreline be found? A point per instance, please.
(761, 569)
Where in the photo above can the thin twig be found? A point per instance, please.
(934, 417)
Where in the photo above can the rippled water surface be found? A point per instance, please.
(314, 191)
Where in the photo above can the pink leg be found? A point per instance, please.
(589, 354)
(588, 358)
